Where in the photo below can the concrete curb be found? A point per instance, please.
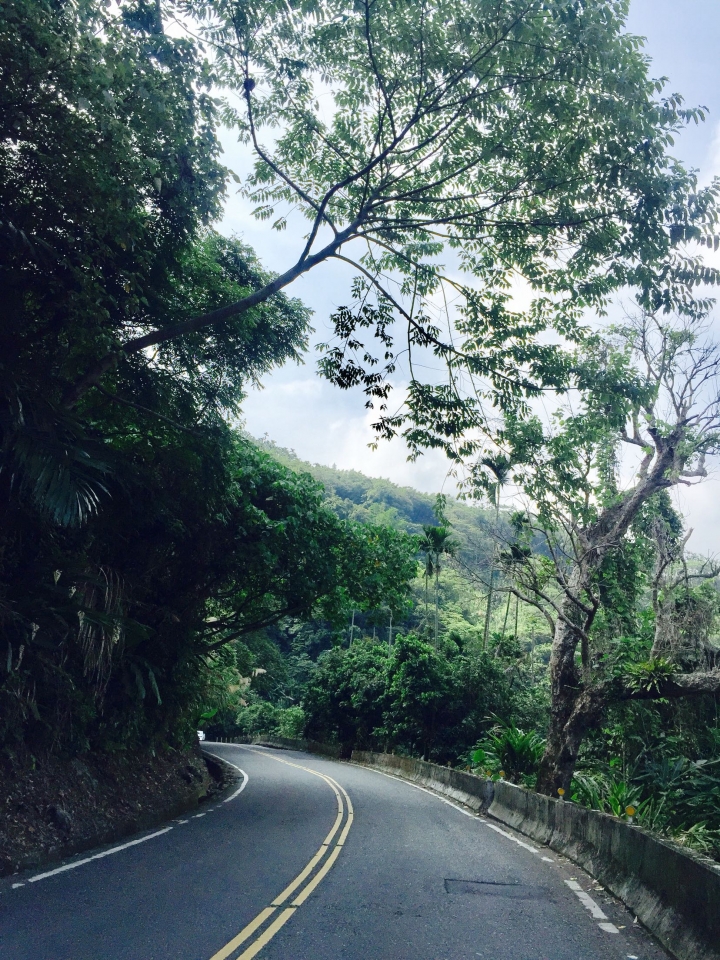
(674, 894)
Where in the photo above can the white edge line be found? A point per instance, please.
(467, 813)
(130, 843)
(584, 898)
(587, 901)
(97, 856)
(432, 793)
(235, 767)
(590, 905)
(520, 843)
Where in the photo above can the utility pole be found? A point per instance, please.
(352, 628)
(390, 632)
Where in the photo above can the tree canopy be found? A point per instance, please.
(139, 531)
(520, 141)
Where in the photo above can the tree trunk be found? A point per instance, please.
(507, 614)
(568, 728)
(577, 706)
(572, 705)
(488, 612)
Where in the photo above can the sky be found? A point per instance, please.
(298, 410)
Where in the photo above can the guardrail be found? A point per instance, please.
(674, 893)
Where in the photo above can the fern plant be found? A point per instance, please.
(509, 749)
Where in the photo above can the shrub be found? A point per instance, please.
(511, 750)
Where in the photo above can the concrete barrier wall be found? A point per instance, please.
(309, 746)
(472, 791)
(332, 750)
(675, 894)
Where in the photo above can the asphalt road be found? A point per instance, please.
(316, 860)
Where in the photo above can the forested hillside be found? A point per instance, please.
(354, 496)
(283, 662)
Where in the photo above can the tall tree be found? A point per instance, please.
(499, 467)
(437, 542)
(109, 181)
(109, 178)
(652, 386)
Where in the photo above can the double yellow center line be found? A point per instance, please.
(258, 924)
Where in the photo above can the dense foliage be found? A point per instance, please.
(138, 532)
(520, 139)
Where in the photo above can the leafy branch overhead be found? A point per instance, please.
(484, 145)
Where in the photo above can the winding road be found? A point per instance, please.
(308, 859)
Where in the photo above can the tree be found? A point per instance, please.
(290, 556)
(418, 686)
(652, 386)
(114, 630)
(523, 138)
(109, 179)
(344, 699)
(138, 531)
(499, 467)
(684, 609)
(437, 542)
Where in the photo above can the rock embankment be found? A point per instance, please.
(52, 807)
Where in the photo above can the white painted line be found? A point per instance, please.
(97, 856)
(130, 843)
(520, 843)
(547, 859)
(595, 912)
(432, 793)
(587, 901)
(235, 767)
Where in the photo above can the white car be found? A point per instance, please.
(201, 735)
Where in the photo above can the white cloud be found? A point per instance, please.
(711, 166)
(323, 425)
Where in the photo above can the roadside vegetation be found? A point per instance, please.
(486, 707)
(159, 569)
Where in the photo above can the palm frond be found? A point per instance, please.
(47, 456)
